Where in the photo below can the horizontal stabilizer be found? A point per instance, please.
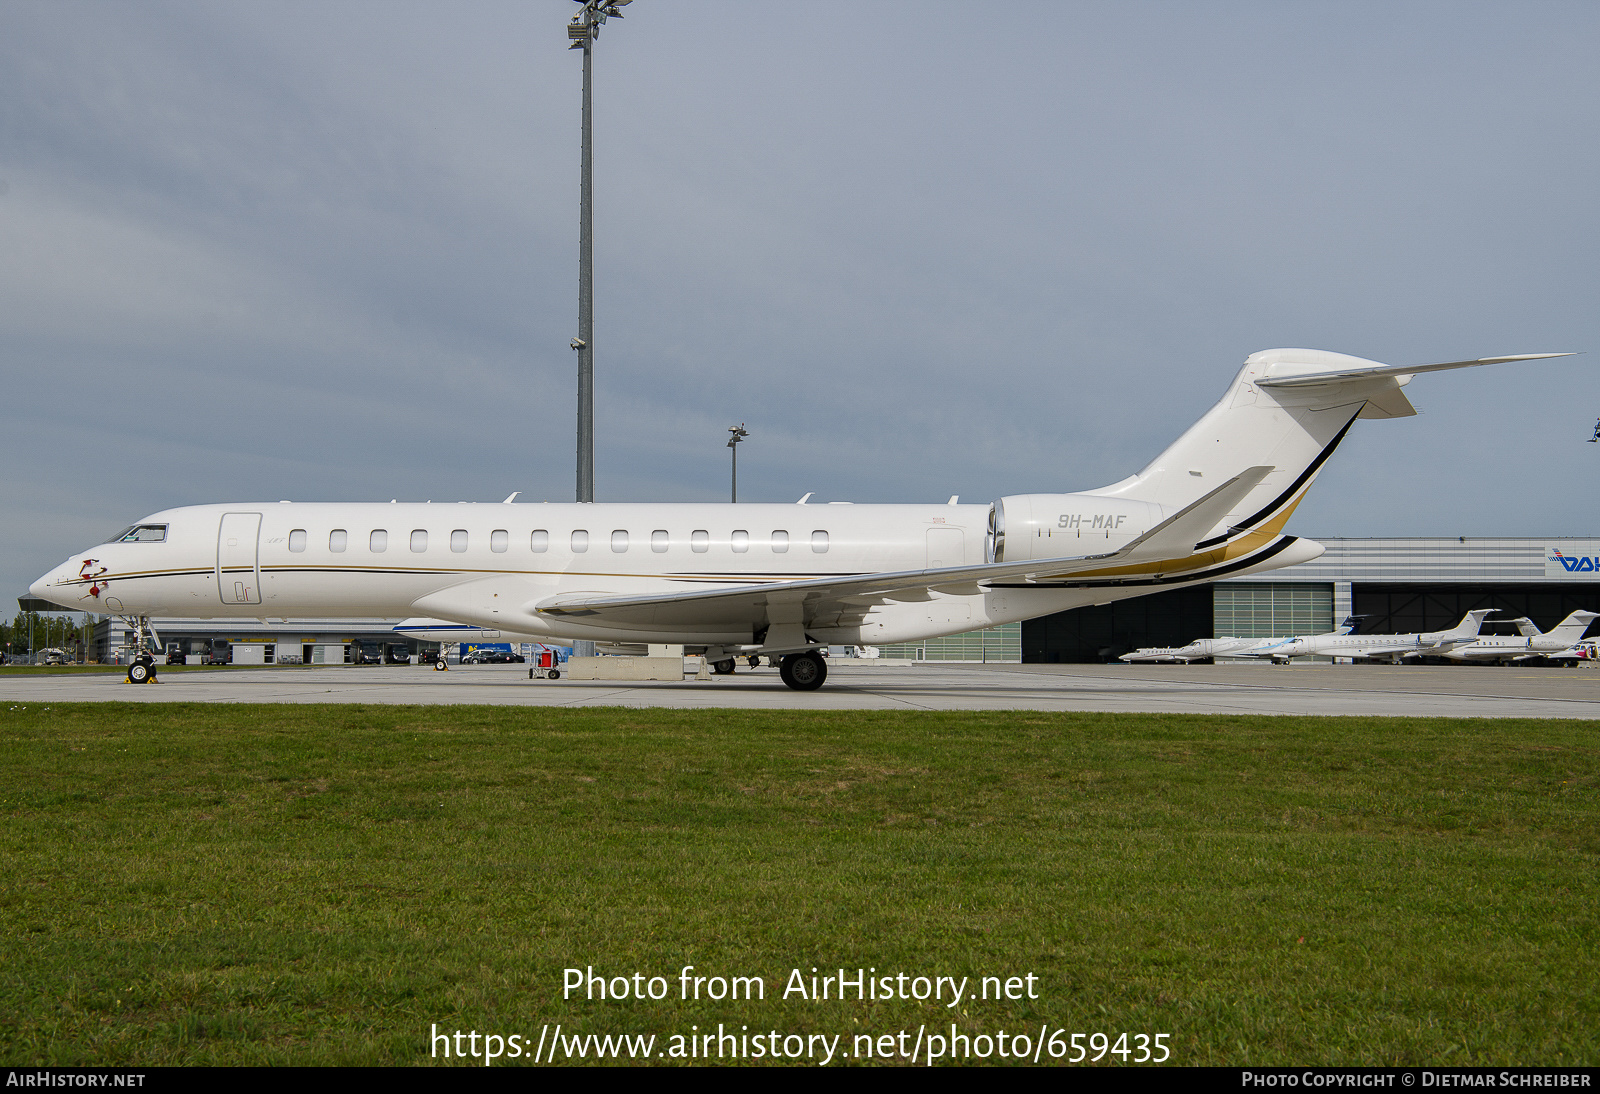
(1296, 375)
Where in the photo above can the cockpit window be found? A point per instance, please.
(141, 533)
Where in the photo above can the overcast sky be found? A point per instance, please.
(329, 251)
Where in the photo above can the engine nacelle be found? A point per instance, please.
(1029, 526)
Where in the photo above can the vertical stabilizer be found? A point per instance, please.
(1571, 629)
(1287, 409)
(1467, 628)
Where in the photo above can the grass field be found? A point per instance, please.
(304, 885)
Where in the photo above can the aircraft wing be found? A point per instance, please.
(845, 599)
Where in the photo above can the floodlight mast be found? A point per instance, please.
(582, 32)
(739, 433)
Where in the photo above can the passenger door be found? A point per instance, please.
(239, 558)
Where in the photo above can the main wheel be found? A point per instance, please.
(138, 673)
(803, 671)
(723, 667)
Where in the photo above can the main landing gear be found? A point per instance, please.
(723, 667)
(803, 671)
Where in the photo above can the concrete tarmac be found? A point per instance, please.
(1321, 689)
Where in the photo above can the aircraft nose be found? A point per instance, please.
(45, 588)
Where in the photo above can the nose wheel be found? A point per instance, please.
(803, 671)
(142, 671)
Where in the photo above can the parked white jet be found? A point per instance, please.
(1203, 648)
(1199, 650)
(778, 580)
(1390, 647)
(1561, 642)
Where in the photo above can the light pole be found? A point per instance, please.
(739, 433)
(582, 31)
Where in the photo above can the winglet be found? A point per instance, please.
(1176, 536)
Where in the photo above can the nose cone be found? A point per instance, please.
(50, 587)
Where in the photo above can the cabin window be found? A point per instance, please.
(580, 541)
(419, 541)
(141, 533)
(499, 540)
(819, 541)
(337, 540)
(658, 541)
(780, 541)
(458, 541)
(740, 541)
(539, 542)
(619, 541)
(379, 540)
(297, 540)
(699, 541)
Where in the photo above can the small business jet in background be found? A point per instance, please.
(1381, 647)
(779, 581)
(1560, 643)
(1203, 648)
(1200, 649)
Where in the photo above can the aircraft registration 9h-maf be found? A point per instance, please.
(780, 581)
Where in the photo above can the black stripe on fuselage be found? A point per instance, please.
(1176, 579)
(1283, 499)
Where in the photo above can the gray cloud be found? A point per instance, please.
(330, 251)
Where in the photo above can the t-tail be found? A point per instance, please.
(1571, 629)
(1464, 631)
(1288, 409)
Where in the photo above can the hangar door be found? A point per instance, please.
(238, 558)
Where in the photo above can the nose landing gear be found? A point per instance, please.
(143, 668)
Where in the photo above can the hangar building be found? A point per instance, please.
(1397, 585)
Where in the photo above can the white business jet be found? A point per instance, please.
(1558, 644)
(1206, 648)
(779, 581)
(1382, 647)
(1200, 649)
